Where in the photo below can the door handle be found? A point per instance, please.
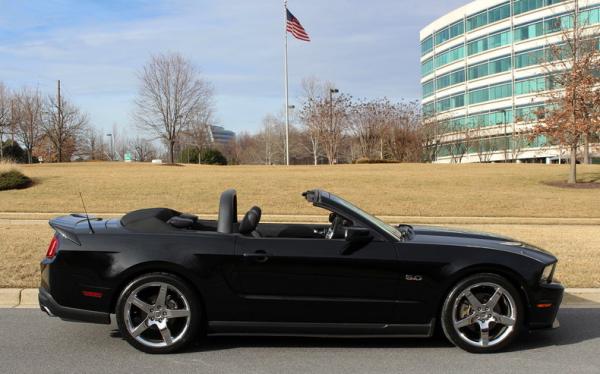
(258, 256)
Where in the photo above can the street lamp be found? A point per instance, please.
(505, 137)
(331, 92)
(112, 147)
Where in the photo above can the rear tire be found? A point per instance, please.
(482, 313)
(158, 313)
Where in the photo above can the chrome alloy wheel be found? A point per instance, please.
(157, 314)
(484, 314)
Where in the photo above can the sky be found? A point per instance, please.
(97, 48)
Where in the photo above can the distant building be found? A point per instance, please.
(218, 135)
(482, 76)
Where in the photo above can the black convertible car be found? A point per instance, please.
(170, 277)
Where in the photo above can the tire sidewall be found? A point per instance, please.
(446, 314)
(181, 285)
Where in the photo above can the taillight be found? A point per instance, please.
(52, 248)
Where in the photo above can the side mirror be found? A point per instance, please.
(357, 234)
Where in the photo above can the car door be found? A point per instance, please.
(316, 280)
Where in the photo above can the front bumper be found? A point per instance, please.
(544, 306)
(54, 309)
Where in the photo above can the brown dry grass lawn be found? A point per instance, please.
(492, 190)
(577, 247)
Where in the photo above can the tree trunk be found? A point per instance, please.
(573, 165)
(29, 158)
(172, 152)
(59, 154)
(586, 149)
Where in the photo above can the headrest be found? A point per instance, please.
(181, 222)
(227, 211)
(250, 220)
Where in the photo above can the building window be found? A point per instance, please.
(450, 102)
(477, 20)
(589, 17)
(499, 13)
(493, 92)
(529, 58)
(449, 56)
(488, 16)
(522, 6)
(427, 66)
(490, 67)
(490, 118)
(450, 79)
(546, 26)
(495, 40)
(427, 45)
(450, 32)
(428, 88)
(529, 113)
(428, 109)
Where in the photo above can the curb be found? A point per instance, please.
(25, 298)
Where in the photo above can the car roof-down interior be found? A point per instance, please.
(163, 220)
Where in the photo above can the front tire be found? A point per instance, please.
(158, 313)
(482, 313)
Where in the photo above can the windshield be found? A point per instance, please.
(367, 217)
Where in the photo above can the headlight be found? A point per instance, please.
(548, 273)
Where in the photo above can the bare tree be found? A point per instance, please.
(403, 134)
(272, 137)
(432, 133)
(572, 114)
(310, 117)
(143, 149)
(92, 144)
(27, 113)
(62, 124)
(324, 117)
(171, 97)
(485, 144)
(369, 120)
(461, 145)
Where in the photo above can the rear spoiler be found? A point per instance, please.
(65, 225)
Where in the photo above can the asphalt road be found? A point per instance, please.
(31, 342)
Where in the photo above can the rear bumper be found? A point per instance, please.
(54, 309)
(544, 306)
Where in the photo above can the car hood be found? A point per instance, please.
(459, 237)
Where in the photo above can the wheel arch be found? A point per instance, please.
(510, 275)
(154, 267)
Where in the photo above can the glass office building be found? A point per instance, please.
(483, 82)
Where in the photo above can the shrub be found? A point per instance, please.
(213, 157)
(13, 151)
(13, 179)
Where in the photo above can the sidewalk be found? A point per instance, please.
(28, 298)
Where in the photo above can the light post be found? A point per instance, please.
(112, 147)
(505, 137)
(331, 92)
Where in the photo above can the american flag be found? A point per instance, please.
(294, 26)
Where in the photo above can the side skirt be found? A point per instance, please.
(366, 330)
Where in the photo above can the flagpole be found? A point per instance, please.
(287, 106)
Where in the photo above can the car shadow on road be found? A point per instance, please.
(577, 325)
